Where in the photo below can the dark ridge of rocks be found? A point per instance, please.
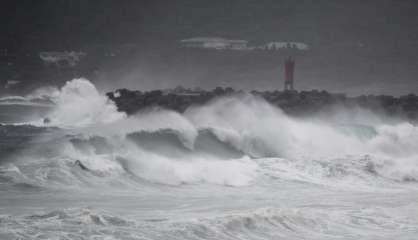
(303, 103)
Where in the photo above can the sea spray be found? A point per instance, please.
(235, 134)
(79, 103)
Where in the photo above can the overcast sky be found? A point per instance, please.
(359, 46)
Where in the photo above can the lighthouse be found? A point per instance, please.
(289, 69)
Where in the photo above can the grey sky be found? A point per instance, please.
(358, 46)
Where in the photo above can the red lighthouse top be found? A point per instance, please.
(289, 69)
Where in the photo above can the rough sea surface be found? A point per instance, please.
(236, 168)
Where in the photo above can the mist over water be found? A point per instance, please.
(235, 168)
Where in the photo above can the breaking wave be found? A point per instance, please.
(79, 103)
(235, 141)
(235, 168)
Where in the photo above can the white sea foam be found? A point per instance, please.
(244, 124)
(79, 103)
(207, 174)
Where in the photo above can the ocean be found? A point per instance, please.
(235, 168)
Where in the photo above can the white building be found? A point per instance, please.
(223, 44)
(285, 45)
(215, 43)
(61, 59)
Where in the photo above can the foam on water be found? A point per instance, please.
(211, 168)
(79, 103)
(261, 223)
(171, 148)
